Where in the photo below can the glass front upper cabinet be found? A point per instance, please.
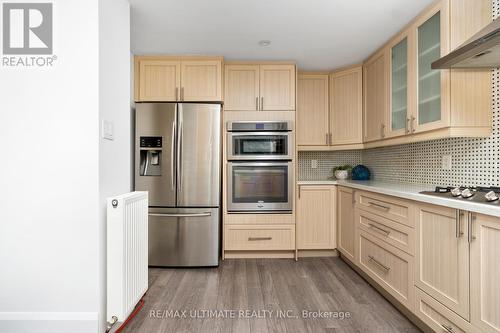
(399, 85)
(429, 80)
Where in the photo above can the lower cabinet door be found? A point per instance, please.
(485, 273)
(388, 266)
(345, 223)
(316, 217)
(439, 317)
(442, 256)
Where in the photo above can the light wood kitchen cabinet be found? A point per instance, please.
(432, 92)
(438, 103)
(345, 222)
(329, 111)
(312, 110)
(201, 80)
(264, 87)
(375, 96)
(173, 79)
(242, 87)
(400, 108)
(316, 220)
(277, 87)
(485, 272)
(388, 266)
(437, 316)
(442, 256)
(160, 80)
(247, 237)
(346, 106)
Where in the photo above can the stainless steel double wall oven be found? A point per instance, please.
(260, 169)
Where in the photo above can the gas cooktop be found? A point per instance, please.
(479, 194)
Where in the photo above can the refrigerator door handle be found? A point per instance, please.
(181, 215)
(179, 155)
(172, 156)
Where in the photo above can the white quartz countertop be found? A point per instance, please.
(411, 192)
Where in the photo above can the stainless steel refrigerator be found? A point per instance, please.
(178, 161)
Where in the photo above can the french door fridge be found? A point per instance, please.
(178, 161)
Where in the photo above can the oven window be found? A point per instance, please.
(260, 145)
(253, 184)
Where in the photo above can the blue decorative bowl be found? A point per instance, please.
(360, 172)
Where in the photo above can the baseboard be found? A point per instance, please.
(317, 253)
(49, 322)
(259, 254)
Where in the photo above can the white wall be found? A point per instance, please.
(55, 171)
(114, 105)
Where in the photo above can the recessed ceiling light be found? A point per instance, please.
(265, 42)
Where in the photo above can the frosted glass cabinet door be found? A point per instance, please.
(399, 87)
(429, 80)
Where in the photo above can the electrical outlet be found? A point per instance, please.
(314, 164)
(446, 162)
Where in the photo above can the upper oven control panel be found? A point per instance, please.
(261, 126)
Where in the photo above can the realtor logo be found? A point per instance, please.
(27, 28)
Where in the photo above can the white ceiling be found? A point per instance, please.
(318, 34)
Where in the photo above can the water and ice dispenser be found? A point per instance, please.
(150, 155)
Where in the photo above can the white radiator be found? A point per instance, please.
(127, 248)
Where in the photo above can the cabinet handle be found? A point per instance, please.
(176, 93)
(458, 231)
(262, 103)
(326, 138)
(256, 103)
(376, 227)
(300, 187)
(182, 93)
(412, 124)
(447, 328)
(407, 126)
(379, 205)
(384, 267)
(252, 239)
(330, 138)
(382, 130)
(471, 236)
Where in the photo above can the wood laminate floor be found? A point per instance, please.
(282, 287)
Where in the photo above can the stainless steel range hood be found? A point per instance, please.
(481, 51)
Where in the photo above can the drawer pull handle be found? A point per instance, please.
(379, 205)
(251, 239)
(376, 227)
(387, 269)
(448, 328)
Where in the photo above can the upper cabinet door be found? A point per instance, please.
(375, 97)
(433, 86)
(398, 82)
(485, 273)
(201, 80)
(159, 80)
(241, 88)
(312, 110)
(277, 87)
(346, 101)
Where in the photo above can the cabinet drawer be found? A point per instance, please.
(389, 207)
(437, 316)
(396, 234)
(390, 267)
(259, 237)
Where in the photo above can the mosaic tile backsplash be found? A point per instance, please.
(474, 161)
